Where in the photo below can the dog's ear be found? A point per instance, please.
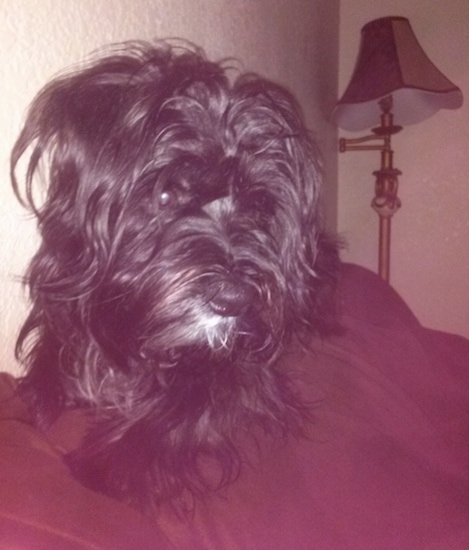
(61, 168)
(71, 129)
(291, 166)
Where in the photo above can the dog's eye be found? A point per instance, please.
(261, 203)
(166, 198)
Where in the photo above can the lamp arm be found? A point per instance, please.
(353, 144)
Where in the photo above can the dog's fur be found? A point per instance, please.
(182, 250)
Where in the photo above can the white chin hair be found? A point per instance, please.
(213, 329)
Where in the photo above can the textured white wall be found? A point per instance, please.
(291, 41)
(430, 244)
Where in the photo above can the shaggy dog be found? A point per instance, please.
(181, 252)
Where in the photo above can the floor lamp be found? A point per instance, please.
(394, 84)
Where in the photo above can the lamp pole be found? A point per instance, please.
(385, 202)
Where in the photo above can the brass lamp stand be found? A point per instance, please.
(385, 202)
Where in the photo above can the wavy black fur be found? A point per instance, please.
(182, 251)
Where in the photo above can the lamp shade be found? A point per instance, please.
(392, 62)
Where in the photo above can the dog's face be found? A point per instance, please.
(179, 232)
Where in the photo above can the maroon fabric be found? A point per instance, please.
(384, 464)
(42, 507)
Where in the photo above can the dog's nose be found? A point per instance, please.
(229, 298)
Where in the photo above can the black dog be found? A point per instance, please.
(182, 251)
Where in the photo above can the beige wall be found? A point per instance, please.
(291, 41)
(430, 248)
